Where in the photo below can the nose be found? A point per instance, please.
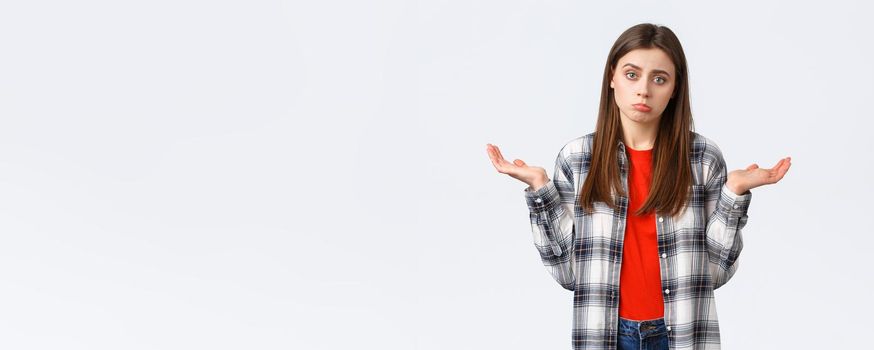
(642, 91)
(642, 88)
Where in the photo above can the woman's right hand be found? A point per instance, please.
(533, 176)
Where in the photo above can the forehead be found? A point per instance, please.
(648, 59)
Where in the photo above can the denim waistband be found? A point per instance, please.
(642, 328)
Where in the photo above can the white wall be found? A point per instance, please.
(313, 174)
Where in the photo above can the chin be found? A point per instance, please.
(641, 117)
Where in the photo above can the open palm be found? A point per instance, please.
(531, 175)
(753, 176)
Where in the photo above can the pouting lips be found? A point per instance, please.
(642, 107)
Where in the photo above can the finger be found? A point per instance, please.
(500, 155)
(519, 162)
(499, 167)
(776, 166)
(781, 171)
(501, 164)
(493, 156)
(753, 166)
(784, 165)
(775, 169)
(785, 169)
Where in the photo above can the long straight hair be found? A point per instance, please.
(672, 173)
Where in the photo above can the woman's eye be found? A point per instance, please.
(660, 80)
(631, 75)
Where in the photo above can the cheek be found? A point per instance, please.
(618, 95)
(665, 94)
(670, 89)
(622, 93)
(620, 88)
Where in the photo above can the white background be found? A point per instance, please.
(313, 175)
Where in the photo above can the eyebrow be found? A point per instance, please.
(654, 70)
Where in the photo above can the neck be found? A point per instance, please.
(639, 136)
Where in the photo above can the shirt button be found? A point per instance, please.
(669, 328)
(661, 219)
(667, 291)
(538, 200)
(664, 255)
(735, 206)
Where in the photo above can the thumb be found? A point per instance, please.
(519, 162)
(753, 166)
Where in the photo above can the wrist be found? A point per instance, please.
(737, 189)
(538, 184)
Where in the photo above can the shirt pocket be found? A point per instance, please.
(602, 220)
(691, 219)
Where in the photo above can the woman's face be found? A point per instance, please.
(643, 84)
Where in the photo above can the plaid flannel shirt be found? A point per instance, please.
(698, 249)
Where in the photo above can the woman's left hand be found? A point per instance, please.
(742, 180)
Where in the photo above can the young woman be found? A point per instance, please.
(641, 219)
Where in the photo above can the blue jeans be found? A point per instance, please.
(642, 335)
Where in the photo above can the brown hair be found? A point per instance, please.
(672, 173)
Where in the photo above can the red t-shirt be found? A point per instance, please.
(640, 284)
